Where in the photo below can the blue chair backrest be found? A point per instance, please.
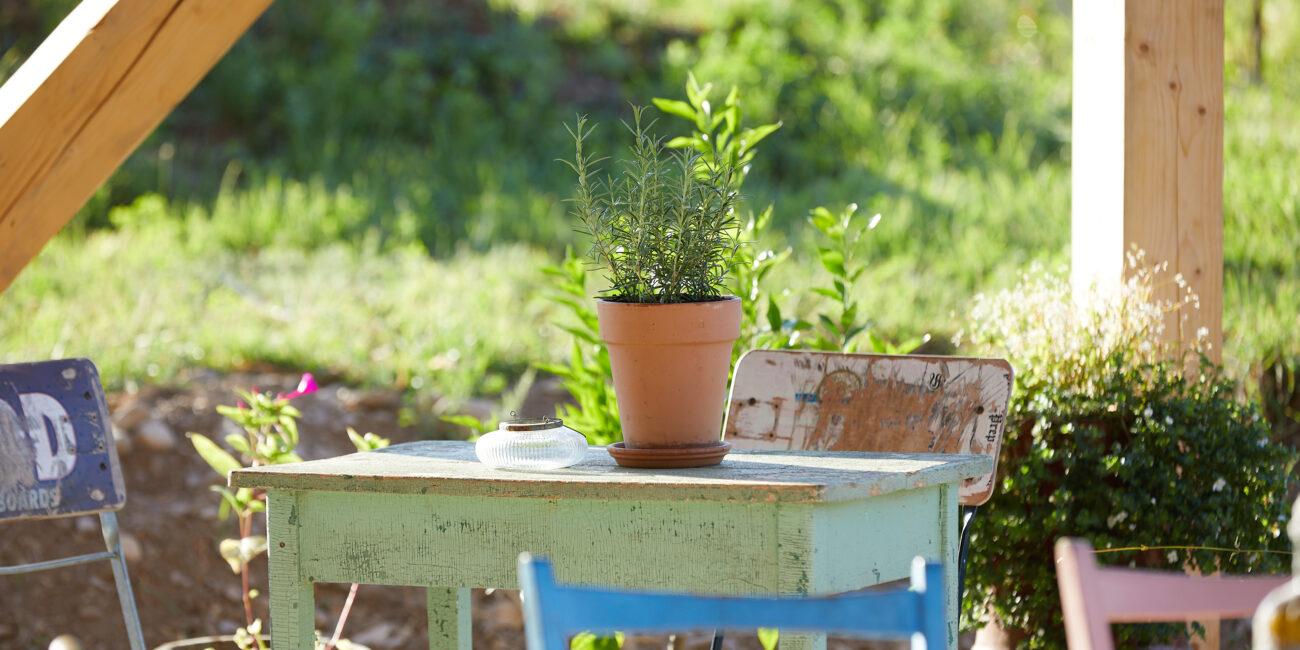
(553, 612)
(57, 456)
(58, 459)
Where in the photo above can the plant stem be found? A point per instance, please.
(245, 527)
(343, 617)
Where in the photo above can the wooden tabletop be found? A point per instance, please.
(450, 468)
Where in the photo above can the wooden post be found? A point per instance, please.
(1148, 149)
(101, 82)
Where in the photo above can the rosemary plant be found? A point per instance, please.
(664, 230)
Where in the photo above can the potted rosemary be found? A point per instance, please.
(664, 231)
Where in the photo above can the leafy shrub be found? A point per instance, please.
(1110, 441)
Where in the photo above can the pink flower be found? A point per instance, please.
(305, 386)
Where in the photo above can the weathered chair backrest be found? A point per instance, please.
(57, 456)
(783, 399)
(552, 612)
(58, 459)
(1093, 596)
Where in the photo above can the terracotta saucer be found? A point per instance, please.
(671, 457)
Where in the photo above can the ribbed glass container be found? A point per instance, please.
(534, 443)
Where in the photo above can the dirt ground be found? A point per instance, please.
(182, 586)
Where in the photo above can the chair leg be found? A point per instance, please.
(717, 640)
(967, 516)
(130, 617)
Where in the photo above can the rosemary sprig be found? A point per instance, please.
(664, 229)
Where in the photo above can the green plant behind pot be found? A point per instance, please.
(664, 229)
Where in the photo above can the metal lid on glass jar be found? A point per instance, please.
(531, 424)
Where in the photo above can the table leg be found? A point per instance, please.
(950, 549)
(795, 569)
(450, 624)
(293, 607)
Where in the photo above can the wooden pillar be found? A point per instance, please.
(87, 97)
(1148, 149)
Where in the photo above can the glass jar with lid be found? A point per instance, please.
(531, 443)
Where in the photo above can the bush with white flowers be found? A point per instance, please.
(1107, 440)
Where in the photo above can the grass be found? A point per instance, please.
(145, 303)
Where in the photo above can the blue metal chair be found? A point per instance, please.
(553, 612)
(59, 460)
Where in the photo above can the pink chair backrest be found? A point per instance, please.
(787, 399)
(1093, 596)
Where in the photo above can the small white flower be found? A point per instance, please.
(1169, 420)
(1220, 484)
(1147, 412)
(1202, 332)
(1172, 556)
(1112, 520)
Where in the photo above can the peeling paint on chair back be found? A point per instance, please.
(57, 456)
(783, 399)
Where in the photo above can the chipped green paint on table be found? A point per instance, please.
(429, 514)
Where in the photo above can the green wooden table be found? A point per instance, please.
(429, 514)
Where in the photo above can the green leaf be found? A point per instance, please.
(693, 90)
(826, 292)
(828, 323)
(227, 501)
(675, 107)
(768, 637)
(216, 457)
(833, 260)
(238, 442)
(477, 425)
(357, 440)
(291, 428)
(754, 135)
(231, 412)
(773, 314)
(732, 115)
(822, 219)
(589, 641)
(681, 142)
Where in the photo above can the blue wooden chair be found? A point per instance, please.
(58, 459)
(553, 612)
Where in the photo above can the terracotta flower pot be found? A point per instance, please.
(670, 365)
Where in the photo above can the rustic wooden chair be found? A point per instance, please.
(788, 399)
(552, 612)
(1093, 597)
(58, 459)
(784, 399)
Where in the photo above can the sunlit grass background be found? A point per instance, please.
(369, 190)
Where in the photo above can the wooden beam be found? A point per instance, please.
(1148, 149)
(89, 95)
